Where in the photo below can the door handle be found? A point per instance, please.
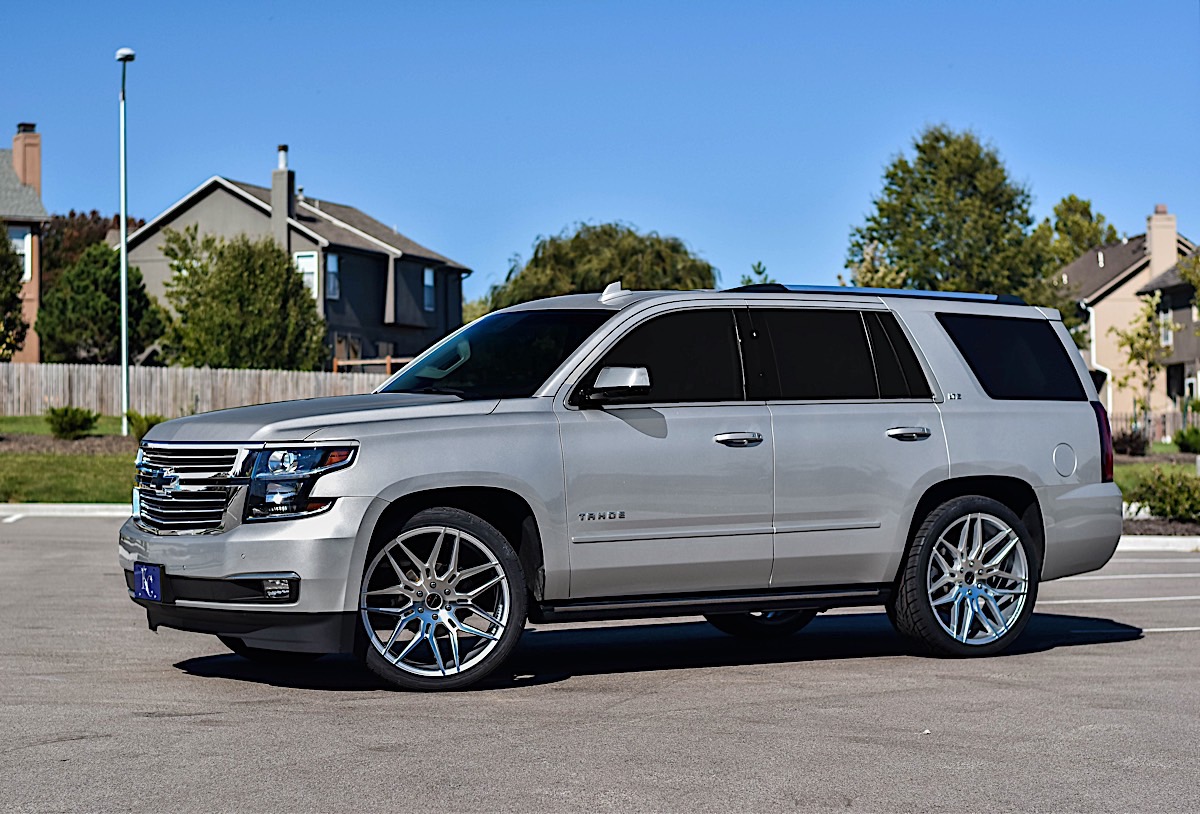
(909, 433)
(738, 439)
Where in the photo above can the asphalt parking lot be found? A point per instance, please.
(1096, 709)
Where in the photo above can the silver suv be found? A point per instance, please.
(755, 455)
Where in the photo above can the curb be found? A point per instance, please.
(1148, 542)
(65, 509)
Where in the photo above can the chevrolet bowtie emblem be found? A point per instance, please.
(164, 482)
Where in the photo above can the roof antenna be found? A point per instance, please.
(612, 291)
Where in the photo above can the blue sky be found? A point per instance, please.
(753, 130)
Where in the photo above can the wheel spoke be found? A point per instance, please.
(389, 611)
(431, 564)
(470, 572)
(991, 603)
(983, 617)
(453, 628)
(944, 579)
(968, 618)
(400, 623)
(404, 580)
(431, 636)
(411, 646)
(453, 567)
(1008, 575)
(941, 561)
(994, 541)
(477, 591)
(395, 590)
(478, 611)
(482, 634)
(1004, 552)
(949, 596)
(954, 613)
(977, 540)
(962, 538)
(417, 561)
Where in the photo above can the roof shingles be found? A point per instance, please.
(17, 201)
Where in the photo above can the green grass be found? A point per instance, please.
(1128, 476)
(49, 478)
(1163, 448)
(36, 425)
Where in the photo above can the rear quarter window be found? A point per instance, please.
(1015, 359)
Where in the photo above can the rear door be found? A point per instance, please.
(671, 492)
(858, 439)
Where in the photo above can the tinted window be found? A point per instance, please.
(896, 366)
(1015, 358)
(502, 355)
(691, 356)
(819, 354)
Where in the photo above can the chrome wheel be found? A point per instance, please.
(978, 578)
(435, 601)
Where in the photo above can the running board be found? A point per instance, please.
(648, 607)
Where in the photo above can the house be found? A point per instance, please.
(1178, 308)
(1108, 280)
(380, 293)
(22, 212)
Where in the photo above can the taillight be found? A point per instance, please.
(1106, 448)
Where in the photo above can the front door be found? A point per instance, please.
(671, 492)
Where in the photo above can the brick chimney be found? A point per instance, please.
(1161, 241)
(283, 200)
(27, 156)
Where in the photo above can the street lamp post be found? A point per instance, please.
(124, 56)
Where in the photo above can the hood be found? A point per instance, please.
(296, 420)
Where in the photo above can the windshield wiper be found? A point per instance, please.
(437, 391)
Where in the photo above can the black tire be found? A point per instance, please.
(761, 626)
(510, 592)
(260, 655)
(970, 587)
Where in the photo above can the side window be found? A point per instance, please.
(819, 354)
(1015, 358)
(896, 366)
(691, 356)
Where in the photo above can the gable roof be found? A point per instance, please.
(1170, 278)
(17, 201)
(325, 222)
(1099, 270)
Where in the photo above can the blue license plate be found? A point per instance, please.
(147, 582)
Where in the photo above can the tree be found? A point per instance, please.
(596, 255)
(1075, 230)
(1144, 352)
(240, 304)
(13, 326)
(758, 275)
(80, 318)
(474, 309)
(951, 219)
(67, 236)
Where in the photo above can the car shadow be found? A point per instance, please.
(547, 655)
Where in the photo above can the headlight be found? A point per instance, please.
(282, 480)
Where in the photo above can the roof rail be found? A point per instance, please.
(908, 293)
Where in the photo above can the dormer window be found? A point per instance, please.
(430, 290)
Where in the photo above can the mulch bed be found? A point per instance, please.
(91, 445)
(1154, 525)
(1157, 458)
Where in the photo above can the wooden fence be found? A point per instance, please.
(28, 389)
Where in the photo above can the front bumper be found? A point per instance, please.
(325, 552)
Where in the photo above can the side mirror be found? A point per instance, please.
(614, 383)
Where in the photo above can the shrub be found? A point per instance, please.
(71, 423)
(1129, 442)
(141, 424)
(1173, 495)
(1188, 439)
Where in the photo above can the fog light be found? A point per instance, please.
(277, 589)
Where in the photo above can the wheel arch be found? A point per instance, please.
(1018, 495)
(506, 510)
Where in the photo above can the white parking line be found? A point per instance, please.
(1170, 629)
(12, 518)
(1191, 575)
(1125, 599)
(1156, 559)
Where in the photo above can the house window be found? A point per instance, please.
(430, 290)
(22, 244)
(333, 279)
(306, 264)
(1166, 328)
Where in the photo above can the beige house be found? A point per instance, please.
(1108, 280)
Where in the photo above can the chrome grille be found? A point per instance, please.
(185, 490)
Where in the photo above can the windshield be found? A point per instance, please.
(507, 355)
